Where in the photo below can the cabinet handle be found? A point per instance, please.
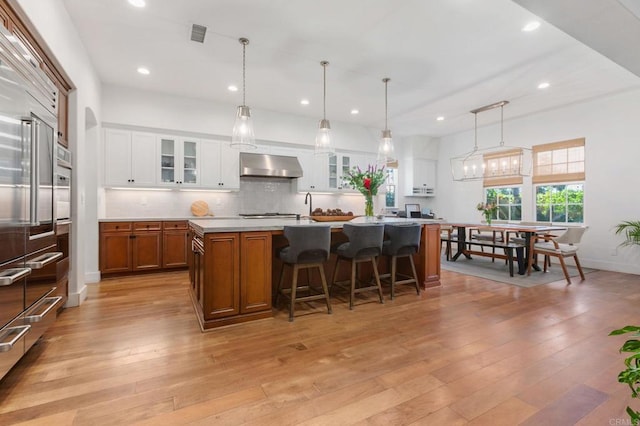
(51, 301)
(42, 261)
(9, 276)
(19, 332)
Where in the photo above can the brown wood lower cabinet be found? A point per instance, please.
(142, 246)
(232, 278)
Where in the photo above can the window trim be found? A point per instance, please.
(518, 186)
(535, 199)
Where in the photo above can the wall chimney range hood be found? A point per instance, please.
(266, 165)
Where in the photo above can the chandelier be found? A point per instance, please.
(501, 164)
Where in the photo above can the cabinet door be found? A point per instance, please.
(210, 158)
(117, 157)
(115, 252)
(169, 161)
(143, 154)
(189, 163)
(174, 248)
(229, 167)
(221, 280)
(147, 253)
(315, 170)
(424, 177)
(255, 275)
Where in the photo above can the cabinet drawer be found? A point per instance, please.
(147, 226)
(115, 226)
(175, 224)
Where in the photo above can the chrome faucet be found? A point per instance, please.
(308, 197)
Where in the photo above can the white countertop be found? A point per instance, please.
(244, 225)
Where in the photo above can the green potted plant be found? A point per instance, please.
(631, 231)
(631, 375)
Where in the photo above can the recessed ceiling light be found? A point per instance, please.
(137, 3)
(531, 26)
(232, 88)
(144, 71)
(441, 118)
(543, 85)
(304, 102)
(355, 111)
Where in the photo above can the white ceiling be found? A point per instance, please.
(444, 57)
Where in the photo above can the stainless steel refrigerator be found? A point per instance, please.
(28, 251)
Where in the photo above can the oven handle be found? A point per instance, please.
(10, 276)
(20, 332)
(42, 261)
(52, 301)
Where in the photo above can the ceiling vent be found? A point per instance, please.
(198, 32)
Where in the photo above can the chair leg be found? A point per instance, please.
(280, 284)
(335, 273)
(393, 275)
(294, 285)
(377, 276)
(325, 288)
(353, 283)
(547, 261)
(564, 269)
(415, 274)
(575, 257)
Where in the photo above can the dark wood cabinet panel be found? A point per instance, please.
(221, 292)
(147, 250)
(175, 249)
(255, 267)
(115, 252)
(63, 112)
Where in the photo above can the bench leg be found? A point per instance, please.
(509, 251)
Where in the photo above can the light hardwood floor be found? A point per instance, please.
(470, 352)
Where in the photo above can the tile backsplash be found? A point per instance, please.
(256, 195)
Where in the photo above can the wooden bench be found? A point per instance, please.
(507, 247)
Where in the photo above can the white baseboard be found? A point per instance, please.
(92, 277)
(76, 299)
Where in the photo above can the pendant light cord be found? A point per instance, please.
(501, 125)
(324, 93)
(386, 80)
(244, 47)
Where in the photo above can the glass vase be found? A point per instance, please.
(487, 216)
(368, 205)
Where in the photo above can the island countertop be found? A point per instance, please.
(206, 226)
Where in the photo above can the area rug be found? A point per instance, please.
(498, 271)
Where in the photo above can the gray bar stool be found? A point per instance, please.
(308, 247)
(365, 245)
(404, 241)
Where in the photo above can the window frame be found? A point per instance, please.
(566, 205)
(509, 205)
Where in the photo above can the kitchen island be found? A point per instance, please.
(233, 263)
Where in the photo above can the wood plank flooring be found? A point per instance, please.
(470, 352)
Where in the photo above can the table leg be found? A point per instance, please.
(522, 260)
(461, 244)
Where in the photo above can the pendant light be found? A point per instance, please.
(323, 137)
(243, 136)
(386, 152)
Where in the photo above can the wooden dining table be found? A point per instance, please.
(527, 231)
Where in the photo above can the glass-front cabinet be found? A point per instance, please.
(179, 162)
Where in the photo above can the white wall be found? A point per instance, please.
(52, 22)
(126, 106)
(612, 150)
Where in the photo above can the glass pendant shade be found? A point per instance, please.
(386, 150)
(242, 136)
(323, 137)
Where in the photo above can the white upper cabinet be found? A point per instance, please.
(130, 158)
(315, 171)
(220, 165)
(179, 161)
(422, 179)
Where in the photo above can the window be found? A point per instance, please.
(560, 203)
(390, 196)
(508, 200)
(559, 162)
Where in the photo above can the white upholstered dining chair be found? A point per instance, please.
(565, 245)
